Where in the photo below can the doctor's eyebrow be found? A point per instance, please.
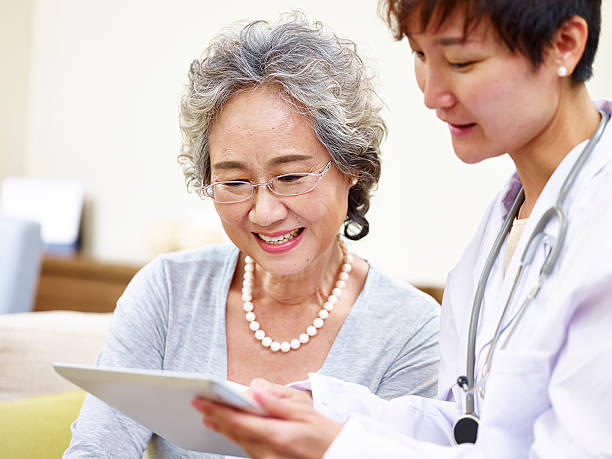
(445, 41)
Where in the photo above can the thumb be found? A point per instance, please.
(263, 385)
(283, 408)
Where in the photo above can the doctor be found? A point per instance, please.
(525, 338)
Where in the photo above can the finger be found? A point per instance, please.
(263, 385)
(284, 408)
(230, 421)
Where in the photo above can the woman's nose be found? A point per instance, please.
(267, 208)
(436, 90)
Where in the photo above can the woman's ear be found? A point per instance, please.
(568, 45)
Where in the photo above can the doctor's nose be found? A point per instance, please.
(436, 91)
(267, 208)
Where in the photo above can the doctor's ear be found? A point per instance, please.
(568, 45)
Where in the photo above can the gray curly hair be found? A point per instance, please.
(318, 74)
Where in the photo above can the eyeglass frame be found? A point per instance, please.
(204, 189)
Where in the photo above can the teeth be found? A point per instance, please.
(279, 239)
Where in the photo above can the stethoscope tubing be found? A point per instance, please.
(528, 254)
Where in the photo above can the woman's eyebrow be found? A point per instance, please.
(289, 159)
(229, 165)
(284, 159)
(444, 41)
(452, 41)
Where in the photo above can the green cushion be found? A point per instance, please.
(38, 427)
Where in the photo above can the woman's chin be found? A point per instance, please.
(473, 155)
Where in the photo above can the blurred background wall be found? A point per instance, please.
(90, 91)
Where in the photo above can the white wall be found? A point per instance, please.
(15, 47)
(106, 79)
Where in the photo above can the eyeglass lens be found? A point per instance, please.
(284, 185)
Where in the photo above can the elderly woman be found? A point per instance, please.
(282, 132)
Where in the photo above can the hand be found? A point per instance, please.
(279, 391)
(295, 430)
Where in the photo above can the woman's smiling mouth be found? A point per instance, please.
(279, 242)
(280, 238)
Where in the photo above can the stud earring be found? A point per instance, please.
(354, 181)
(562, 71)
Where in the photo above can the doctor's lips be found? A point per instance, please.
(460, 129)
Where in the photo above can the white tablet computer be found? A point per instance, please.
(161, 401)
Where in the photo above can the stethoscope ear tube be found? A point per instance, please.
(538, 233)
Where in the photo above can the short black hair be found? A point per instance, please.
(525, 26)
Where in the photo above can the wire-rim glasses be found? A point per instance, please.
(292, 184)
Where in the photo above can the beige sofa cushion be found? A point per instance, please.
(31, 342)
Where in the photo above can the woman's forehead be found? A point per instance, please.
(451, 31)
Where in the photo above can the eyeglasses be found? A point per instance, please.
(282, 185)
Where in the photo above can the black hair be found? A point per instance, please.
(525, 26)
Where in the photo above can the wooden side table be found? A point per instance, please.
(81, 284)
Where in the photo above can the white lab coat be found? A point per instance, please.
(549, 394)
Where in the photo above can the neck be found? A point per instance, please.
(575, 121)
(313, 285)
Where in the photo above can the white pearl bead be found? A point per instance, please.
(275, 346)
(266, 342)
(343, 276)
(250, 316)
(318, 322)
(311, 330)
(340, 284)
(328, 306)
(248, 306)
(249, 275)
(247, 297)
(323, 314)
(249, 268)
(337, 292)
(260, 334)
(254, 326)
(349, 258)
(295, 343)
(247, 283)
(346, 268)
(248, 260)
(285, 346)
(304, 338)
(333, 299)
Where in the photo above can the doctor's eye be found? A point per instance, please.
(420, 55)
(461, 65)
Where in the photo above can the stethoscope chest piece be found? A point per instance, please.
(466, 429)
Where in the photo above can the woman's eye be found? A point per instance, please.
(461, 65)
(290, 178)
(420, 55)
(235, 183)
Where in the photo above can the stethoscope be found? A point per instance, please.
(466, 427)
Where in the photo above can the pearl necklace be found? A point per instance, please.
(318, 322)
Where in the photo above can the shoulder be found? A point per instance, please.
(214, 260)
(398, 300)
(185, 267)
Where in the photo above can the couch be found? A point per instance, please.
(37, 406)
